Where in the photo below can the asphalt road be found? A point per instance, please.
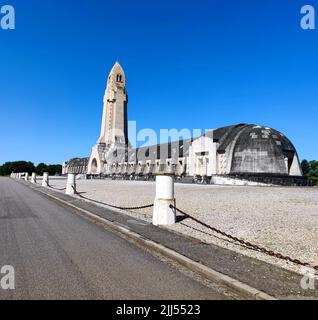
(59, 255)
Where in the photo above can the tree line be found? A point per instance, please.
(310, 170)
(26, 166)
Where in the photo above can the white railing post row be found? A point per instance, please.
(45, 181)
(71, 184)
(163, 215)
(33, 178)
(26, 177)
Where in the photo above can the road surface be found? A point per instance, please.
(59, 255)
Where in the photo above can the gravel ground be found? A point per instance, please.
(278, 218)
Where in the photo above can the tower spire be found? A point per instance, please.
(114, 128)
(114, 122)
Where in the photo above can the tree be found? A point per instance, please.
(310, 170)
(41, 168)
(24, 166)
(17, 167)
(54, 169)
(305, 166)
(314, 165)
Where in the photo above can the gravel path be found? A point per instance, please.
(281, 219)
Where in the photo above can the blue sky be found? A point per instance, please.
(190, 64)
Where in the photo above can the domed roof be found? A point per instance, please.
(256, 149)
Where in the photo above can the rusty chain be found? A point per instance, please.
(247, 243)
(244, 243)
(56, 188)
(112, 206)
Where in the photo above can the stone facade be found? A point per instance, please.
(223, 154)
(76, 166)
(114, 130)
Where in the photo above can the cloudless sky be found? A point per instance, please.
(189, 64)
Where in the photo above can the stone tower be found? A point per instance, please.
(114, 121)
(114, 129)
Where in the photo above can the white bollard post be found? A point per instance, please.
(26, 177)
(33, 178)
(45, 181)
(163, 215)
(20, 176)
(71, 184)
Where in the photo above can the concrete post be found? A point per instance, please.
(26, 177)
(162, 214)
(71, 184)
(45, 181)
(33, 178)
(20, 176)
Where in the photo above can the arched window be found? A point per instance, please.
(119, 78)
(94, 166)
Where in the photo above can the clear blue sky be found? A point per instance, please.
(189, 64)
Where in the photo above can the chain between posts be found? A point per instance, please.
(247, 244)
(56, 188)
(112, 206)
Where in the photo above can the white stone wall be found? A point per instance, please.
(235, 182)
(202, 157)
(295, 169)
(95, 167)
